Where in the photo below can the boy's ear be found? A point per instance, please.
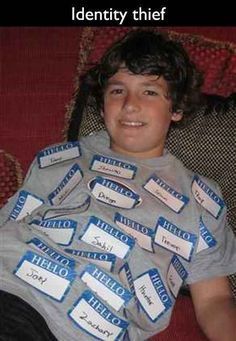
(102, 113)
(177, 115)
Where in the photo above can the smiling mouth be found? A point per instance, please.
(134, 124)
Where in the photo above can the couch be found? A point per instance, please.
(38, 119)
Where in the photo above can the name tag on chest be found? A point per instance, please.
(53, 155)
(176, 275)
(93, 317)
(45, 275)
(113, 167)
(107, 238)
(114, 193)
(162, 191)
(152, 294)
(206, 197)
(206, 239)
(25, 205)
(106, 287)
(174, 239)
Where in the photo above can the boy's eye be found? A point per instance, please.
(116, 91)
(150, 93)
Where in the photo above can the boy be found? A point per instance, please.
(115, 192)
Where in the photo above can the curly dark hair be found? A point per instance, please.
(146, 52)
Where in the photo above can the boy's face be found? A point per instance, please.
(137, 114)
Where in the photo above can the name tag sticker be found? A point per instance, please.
(45, 275)
(141, 233)
(206, 197)
(53, 155)
(102, 259)
(107, 238)
(206, 239)
(25, 205)
(169, 196)
(106, 287)
(126, 277)
(152, 294)
(114, 193)
(93, 317)
(176, 275)
(174, 239)
(66, 186)
(60, 231)
(114, 167)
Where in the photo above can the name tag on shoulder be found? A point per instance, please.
(94, 318)
(126, 277)
(112, 166)
(45, 275)
(206, 197)
(174, 239)
(165, 193)
(176, 275)
(57, 154)
(152, 294)
(26, 203)
(107, 238)
(206, 239)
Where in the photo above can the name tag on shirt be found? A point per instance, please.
(107, 238)
(206, 239)
(169, 196)
(45, 275)
(93, 317)
(141, 233)
(206, 197)
(68, 183)
(105, 260)
(114, 193)
(174, 239)
(126, 277)
(25, 205)
(57, 154)
(176, 275)
(152, 294)
(106, 287)
(112, 166)
(60, 231)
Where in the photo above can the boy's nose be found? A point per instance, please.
(131, 103)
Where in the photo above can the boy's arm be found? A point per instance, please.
(215, 308)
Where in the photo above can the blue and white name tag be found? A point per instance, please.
(114, 167)
(206, 239)
(176, 275)
(206, 197)
(106, 287)
(55, 255)
(174, 239)
(45, 275)
(63, 152)
(93, 317)
(168, 195)
(25, 205)
(114, 193)
(68, 183)
(126, 277)
(152, 294)
(107, 238)
(141, 233)
(60, 231)
(105, 260)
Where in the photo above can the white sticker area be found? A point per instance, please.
(25, 205)
(175, 276)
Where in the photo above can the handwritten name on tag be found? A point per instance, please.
(206, 239)
(55, 255)
(126, 277)
(25, 205)
(165, 193)
(107, 238)
(174, 239)
(206, 197)
(114, 167)
(93, 317)
(152, 294)
(105, 260)
(106, 287)
(176, 275)
(114, 193)
(141, 233)
(63, 152)
(60, 231)
(45, 275)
